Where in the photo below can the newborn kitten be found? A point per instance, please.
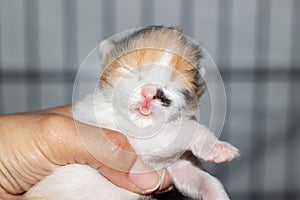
(149, 91)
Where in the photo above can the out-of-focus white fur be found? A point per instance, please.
(78, 182)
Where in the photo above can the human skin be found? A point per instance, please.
(34, 144)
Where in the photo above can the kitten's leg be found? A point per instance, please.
(193, 182)
(209, 148)
(222, 152)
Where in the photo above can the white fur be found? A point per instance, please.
(77, 182)
(165, 69)
(166, 59)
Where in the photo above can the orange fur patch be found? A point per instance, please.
(150, 48)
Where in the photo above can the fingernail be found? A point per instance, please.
(165, 190)
(144, 177)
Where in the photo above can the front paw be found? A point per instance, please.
(222, 152)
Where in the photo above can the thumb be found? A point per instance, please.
(111, 153)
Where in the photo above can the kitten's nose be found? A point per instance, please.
(149, 92)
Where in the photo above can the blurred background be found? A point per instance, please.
(256, 45)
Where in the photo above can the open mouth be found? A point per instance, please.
(144, 110)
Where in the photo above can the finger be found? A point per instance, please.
(142, 183)
(110, 148)
(166, 183)
(145, 177)
(114, 157)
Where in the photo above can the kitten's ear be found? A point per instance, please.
(105, 48)
(202, 71)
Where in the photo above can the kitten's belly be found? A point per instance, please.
(77, 182)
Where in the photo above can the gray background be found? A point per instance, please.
(255, 44)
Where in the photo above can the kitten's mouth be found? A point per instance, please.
(144, 110)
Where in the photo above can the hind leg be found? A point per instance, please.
(193, 182)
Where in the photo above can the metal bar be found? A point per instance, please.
(32, 52)
(260, 74)
(187, 16)
(33, 76)
(259, 106)
(236, 75)
(108, 18)
(70, 45)
(269, 195)
(223, 59)
(2, 106)
(292, 170)
(147, 10)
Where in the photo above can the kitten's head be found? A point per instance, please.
(152, 73)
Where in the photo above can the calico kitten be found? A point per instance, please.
(149, 90)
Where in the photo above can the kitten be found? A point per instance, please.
(151, 84)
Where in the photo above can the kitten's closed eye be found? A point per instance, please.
(162, 97)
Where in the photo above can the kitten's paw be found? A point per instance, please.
(222, 152)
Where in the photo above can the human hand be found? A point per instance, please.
(32, 145)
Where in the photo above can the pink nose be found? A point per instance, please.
(149, 91)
